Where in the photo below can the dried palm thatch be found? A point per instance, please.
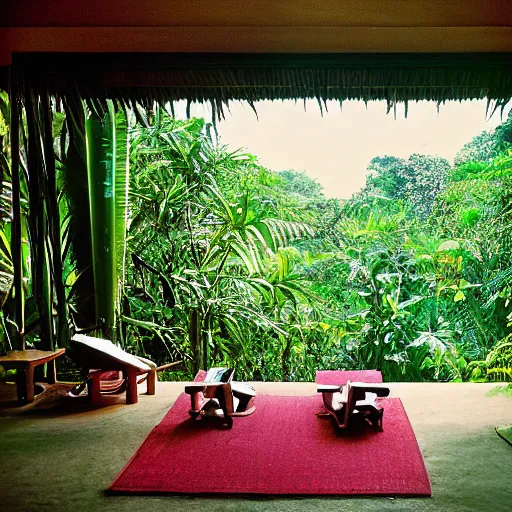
(221, 78)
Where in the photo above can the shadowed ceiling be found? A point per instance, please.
(255, 26)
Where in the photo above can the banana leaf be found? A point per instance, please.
(121, 178)
(108, 172)
(101, 149)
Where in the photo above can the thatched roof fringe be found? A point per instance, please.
(220, 79)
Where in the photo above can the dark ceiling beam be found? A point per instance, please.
(256, 13)
(254, 39)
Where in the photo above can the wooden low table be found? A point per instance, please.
(103, 356)
(27, 360)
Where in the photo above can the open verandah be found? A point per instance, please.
(63, 461)
(56, 461)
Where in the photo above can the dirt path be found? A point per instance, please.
(64, 461)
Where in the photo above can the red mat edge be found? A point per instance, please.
(259, 496)
(144, 492)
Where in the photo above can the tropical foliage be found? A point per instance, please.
(155, 235)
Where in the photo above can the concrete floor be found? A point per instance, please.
(63, 461)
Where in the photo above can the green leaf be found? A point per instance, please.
(459, 296)
(101, 166)
(449, 245)
(121, 186)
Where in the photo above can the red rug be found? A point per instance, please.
(340, 377)
(282, 449)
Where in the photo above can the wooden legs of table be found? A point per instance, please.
(29, 384)
(93, 387)
(151, 382)
(132, 394)
(25, 381)
(51, 372)
(25, 384)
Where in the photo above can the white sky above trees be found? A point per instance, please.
(336, 149)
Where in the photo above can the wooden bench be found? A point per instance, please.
(98, 356)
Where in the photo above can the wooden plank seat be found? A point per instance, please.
(224, 399)
(354, 401)
(99, 357)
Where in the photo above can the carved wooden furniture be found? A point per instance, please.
(98, 357)
(24, 361)
(354, 401)
(225, 399)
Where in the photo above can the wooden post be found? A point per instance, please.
(132, 395)
(25, 384)
(51, 372)
(93, 387)
(29, 383)
(20, 385)
(151, 382)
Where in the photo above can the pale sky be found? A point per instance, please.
(336, 149)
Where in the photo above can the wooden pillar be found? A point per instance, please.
(132, 395)
(25, 384)
(51, 372)
(20, 385)
(93, 387)
(151, 382)
(29, 383)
